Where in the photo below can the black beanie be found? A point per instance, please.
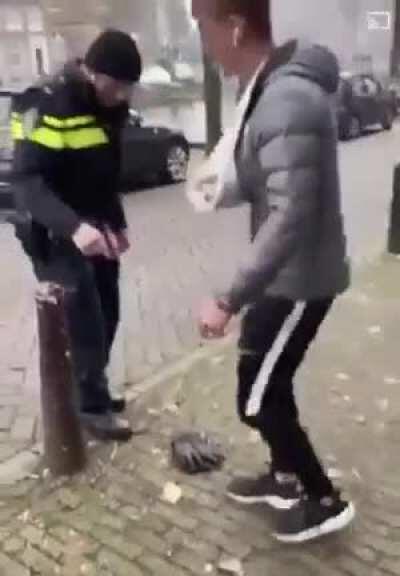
(115, 54)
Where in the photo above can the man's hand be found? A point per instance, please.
(91, 242)
(118, 242)
(212, 320)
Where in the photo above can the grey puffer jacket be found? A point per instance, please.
(287, 168)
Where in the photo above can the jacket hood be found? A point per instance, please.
(313, 62)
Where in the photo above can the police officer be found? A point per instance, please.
(70, 220)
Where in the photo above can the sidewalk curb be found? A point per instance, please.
(178, 368)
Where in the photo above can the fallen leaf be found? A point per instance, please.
(114, 452)
(171, 408)
(343, 377)
(24, 517)
(374, 330)
(360, 419)
(218, 360)
(172, 493)
(231, 566)
(383, 404)
(68, 499)
(45, 473)
(335, 474)
(356, 474)
(391, 381)
(254, 437)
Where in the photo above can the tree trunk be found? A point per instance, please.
(213, 102)
(395, 54)
(63, 443)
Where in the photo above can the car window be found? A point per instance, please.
(371, 87)
(360, 87)
(6, 144)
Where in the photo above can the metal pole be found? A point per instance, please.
(395, 52)
(63, 443)
(213, 102)
(394, 225)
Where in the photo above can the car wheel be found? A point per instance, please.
(177, 162)
(353, 128)
(387, 121)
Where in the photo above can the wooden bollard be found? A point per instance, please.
(63, 442)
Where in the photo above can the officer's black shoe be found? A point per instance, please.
(107, 427)
(118, 405)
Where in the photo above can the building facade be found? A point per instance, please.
(24, 44)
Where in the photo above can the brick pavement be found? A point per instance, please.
(113, 521)
(176, 258)
(18, 378)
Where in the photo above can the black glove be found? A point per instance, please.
(195, 453)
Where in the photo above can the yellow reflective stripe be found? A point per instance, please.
(85, 138)
(48, 138)
(17, 129)
(72, 139)
(73, 122)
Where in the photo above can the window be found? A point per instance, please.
(13, 19)
(34, 19)
(371, 87)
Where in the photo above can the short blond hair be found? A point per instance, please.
(257, 13)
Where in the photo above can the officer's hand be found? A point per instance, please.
(118, 241)
(123, 242)
(91, 242)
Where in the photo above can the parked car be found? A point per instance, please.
(362, 102)
(6, 198)
(150, 154)
(153, 153)
(394, 89)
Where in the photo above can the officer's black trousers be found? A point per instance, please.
(92, 308)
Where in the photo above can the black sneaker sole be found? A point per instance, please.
(330, 526)
(118, 406)
(274, 501)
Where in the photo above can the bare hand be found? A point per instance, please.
(118, 242)
(212, 320)
(91, 242)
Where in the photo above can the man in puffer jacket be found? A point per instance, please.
(283, 155)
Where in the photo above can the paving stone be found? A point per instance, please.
(158, 566)
(10, 567)
(116, 542)
(7, 415)
(176, 517)
(23, 429)
(38, 562)
(191, 561)
(13, 545)
(230, 544)
(118, 566)
(178, 538)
